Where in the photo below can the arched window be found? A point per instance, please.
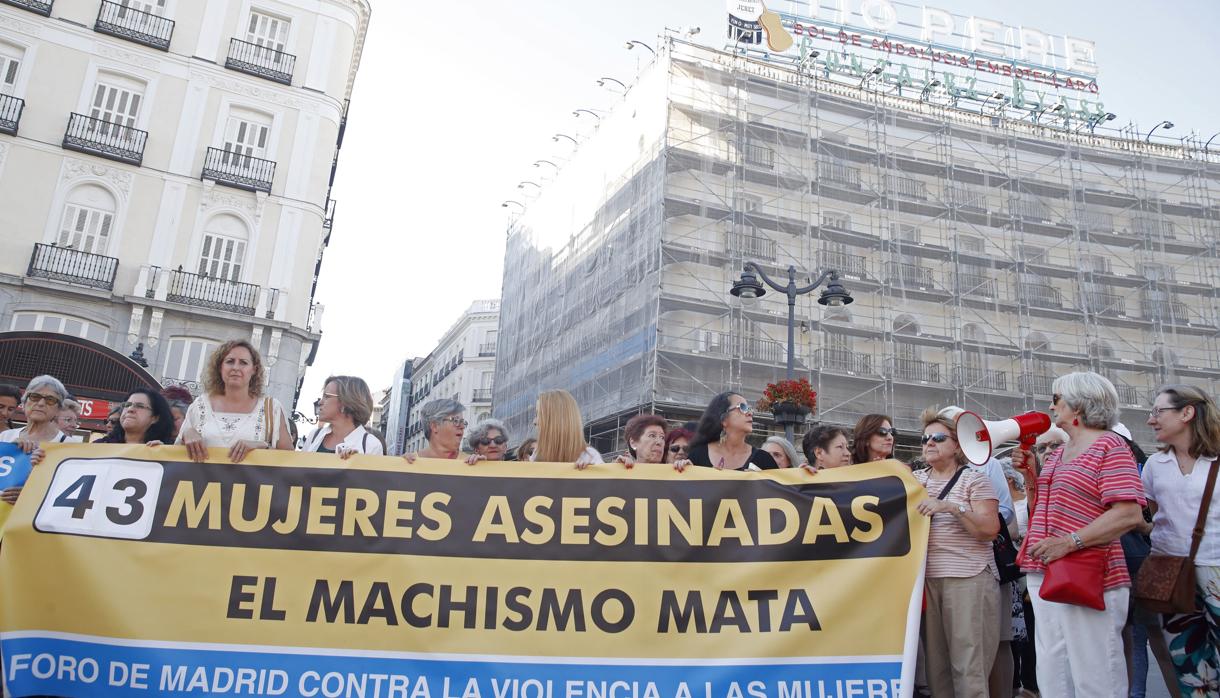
(906, 325)
(973, 333)
(223, 253)
(1100, 349)
(1037, 342)
(87, 220)
(1166, 358)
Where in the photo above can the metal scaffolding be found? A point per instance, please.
(987, 255)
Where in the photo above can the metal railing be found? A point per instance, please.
(984, 378)
(262, 61)
(72, 266)
(908, 275)
(1105, 303)
(488, 349)
(759, 155)
(1127, 394)
(42, 7)
(211, 292)
(908, 188)
(134, 25)
(1039, 295)
(10, 113)
(1152, 228)
(481, 395)
(237, 170)
(1035, 384)
(843, 361)
(105, 138)
(914, 370)
(752, 246)
(839, 174)
(844, 263)
(974, 284)
(1165, 309)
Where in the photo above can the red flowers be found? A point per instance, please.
(799, 392)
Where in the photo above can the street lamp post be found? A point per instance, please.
(748, 288)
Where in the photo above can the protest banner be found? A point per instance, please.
(14, 469)
(130, 571)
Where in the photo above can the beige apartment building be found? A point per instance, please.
(165, 174)
(986, 253)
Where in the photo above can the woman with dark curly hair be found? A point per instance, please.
(145, 418)
(720, 441)
(232, 413)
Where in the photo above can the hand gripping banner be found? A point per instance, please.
(131, 571)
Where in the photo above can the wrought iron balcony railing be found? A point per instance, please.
(134, 25)
(1127, 394)
(843, 361)
(488, 349)
(481, 395)
(262, 61)
(759, 155)
(1164, 309)
(86, 134)
(1105, 303)
(908, 275)
(985, 378)
(42, 7)
(915, 370)
(237, 170)
(846, 264)
(72, 266)
(974, 284)
(10, 113)
(1040, 295)
(1038, 384)
(752, 246)
(211, 292)
(839, 174)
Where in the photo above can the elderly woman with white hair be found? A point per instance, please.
(488, 440)
(444, 427)
(1087, 495)
(40, 403)
(782, 451)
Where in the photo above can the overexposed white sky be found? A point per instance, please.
(454, 101)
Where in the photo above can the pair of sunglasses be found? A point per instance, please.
(887, 431)
(935, 438)
(499, 441)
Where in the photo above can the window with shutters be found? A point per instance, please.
(223, 251)
(186, 358)
(10, 66)
(246, 135)
(268, 30)
(87, 220)
(152, 7)
(116, 100)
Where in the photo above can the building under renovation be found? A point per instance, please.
(986, 254)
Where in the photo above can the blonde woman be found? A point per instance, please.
(232, 412)
(344, 409)
(561, 432)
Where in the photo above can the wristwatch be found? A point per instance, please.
(1077, 540)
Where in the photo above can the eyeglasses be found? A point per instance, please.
(135, 406)
(499, 441)
(48, 400)
(455, 421)
(1056, 398)
(326, 395)
(1048, 446)
(677, 448)
(743, 407)
(939, 438)
(1155, 412)
(887, 431)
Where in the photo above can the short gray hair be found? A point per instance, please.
(1012, 474)
(1090, 394)
(481, 429)
(794, 458)
(436, 410)
(70, 404)
(48, 382)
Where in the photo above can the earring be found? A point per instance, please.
(1075, 422)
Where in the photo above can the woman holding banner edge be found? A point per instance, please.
(963, 598)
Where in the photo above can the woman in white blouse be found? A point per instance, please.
(344, 408)
(233, 413)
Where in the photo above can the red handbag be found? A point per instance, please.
(1076, 578)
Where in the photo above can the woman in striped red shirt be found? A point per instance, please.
(1088, 494)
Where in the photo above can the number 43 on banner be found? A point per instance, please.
(104, 497)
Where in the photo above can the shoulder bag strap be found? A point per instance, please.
(272, 436)
(364, 443)
(1197, 537)
(949, 487)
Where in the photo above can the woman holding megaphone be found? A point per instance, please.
(1087, 495)
(961, 589)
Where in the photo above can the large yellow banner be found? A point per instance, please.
(131, 571)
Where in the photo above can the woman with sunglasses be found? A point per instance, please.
(720, 438)
(1187, 424)
(487, 441)
(443, 429)
(677, 445)
(145, 418)
(40, 404)
(873, 439)
(1088, 494)
(344, 409)
(961, 580)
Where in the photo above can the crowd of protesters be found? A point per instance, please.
(1007, 608)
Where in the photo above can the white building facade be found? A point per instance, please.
(462, 367)
(165, 173)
